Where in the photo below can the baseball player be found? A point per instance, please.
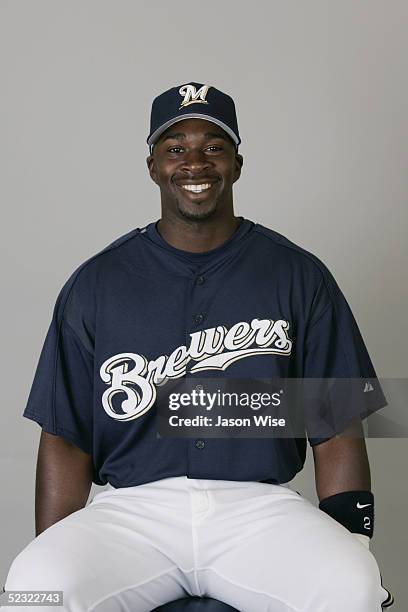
(198, 291)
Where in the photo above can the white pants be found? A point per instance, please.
(256, 546)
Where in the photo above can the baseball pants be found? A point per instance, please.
(255, 546)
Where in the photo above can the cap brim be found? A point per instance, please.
(153, 138)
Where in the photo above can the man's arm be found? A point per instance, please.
(63, 480)
(341, 463)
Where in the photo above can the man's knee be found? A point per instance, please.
(356, 583)
(34, 569)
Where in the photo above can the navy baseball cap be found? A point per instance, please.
(193, 101)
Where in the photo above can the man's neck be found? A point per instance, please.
(197, 237)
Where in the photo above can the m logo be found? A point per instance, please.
(192, 96)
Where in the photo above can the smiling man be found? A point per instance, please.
(196, 196)
(199, 291)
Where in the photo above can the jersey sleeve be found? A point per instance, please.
(345, 384)
(61, 395)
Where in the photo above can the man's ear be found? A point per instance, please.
(239, 161)
(152, 167)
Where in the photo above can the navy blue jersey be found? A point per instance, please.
(141, 311)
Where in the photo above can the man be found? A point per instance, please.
(199, 291)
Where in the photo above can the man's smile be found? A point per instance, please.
(195, 189)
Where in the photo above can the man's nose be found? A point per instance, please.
(195, 160)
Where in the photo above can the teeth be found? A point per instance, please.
(197, 188)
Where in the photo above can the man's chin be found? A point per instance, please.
(198, 213)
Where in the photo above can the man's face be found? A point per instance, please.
(195, 165)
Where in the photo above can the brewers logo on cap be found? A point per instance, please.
(192, 96)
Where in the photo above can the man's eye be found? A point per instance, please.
(171, 149)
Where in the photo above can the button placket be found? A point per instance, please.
(198, 318)
(198, 302)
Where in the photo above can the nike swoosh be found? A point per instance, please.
(362, 505)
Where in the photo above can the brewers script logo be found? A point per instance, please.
(192, 96)
(134, 379)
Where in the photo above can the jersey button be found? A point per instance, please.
(200, 280)
(200, 444)
(198, 318)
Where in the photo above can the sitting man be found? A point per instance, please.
(198, 292)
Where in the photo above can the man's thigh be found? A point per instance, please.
(109, 556)
(272, 550)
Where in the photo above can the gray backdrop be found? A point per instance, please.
(321, 94)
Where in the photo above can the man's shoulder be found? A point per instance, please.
(114, 248)
(108, 254)
(290, 252)
(305, 270)
(82, 283)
